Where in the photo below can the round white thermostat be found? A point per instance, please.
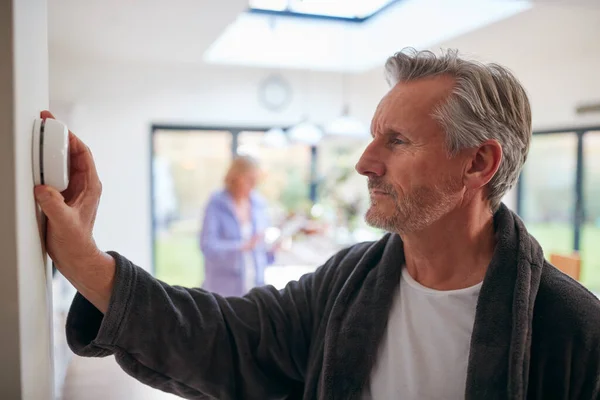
(50, 153)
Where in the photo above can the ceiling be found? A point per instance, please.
(148, 31)
(179, 32)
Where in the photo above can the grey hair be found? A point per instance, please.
(488, 102)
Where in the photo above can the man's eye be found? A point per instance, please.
(398, 141)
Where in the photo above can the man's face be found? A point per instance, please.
(412, 180)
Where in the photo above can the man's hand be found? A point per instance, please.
(71, 215)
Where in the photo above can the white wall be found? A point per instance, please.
(25, 295)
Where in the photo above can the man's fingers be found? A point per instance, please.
(51, 202)
(76, 145)
(81, 157)
(46, 114)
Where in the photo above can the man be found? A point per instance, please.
(456, 302)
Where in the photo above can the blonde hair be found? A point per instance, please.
(239, 166)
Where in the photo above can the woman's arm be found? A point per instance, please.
(211, 238)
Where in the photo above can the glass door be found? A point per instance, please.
(590, 230)
(548, 191)
(187, 166)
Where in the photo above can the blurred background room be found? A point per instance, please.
(167, 93)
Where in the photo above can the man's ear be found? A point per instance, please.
(483, 164)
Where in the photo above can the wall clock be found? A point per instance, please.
(274, 93)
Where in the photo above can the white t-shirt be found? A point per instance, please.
(425, 350)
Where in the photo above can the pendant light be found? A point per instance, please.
(275, 138)
(305, 131)
(346, 125)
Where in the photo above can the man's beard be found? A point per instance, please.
(415, 210)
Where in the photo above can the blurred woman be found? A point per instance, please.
(231, 239)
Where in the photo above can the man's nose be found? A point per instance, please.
(370, 162)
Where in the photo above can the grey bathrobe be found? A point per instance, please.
(536, 332)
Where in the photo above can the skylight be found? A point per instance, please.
(351, 10)
(318, 43)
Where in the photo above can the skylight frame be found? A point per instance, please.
(327, 17)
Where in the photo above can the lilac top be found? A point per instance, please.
(221, 244)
